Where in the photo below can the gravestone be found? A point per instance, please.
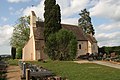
(113, 55)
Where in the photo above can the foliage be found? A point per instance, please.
(52, 17)
(19, 53)
(20, 33)
(108, 50)
(67, 44)
(101, 50)
(50, 48)
(62, 45)
(48, 7)
(13, 52)
(75, 71)
(13, 62)
(85, 22)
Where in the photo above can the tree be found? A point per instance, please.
(19, 53)
(108, 50)
(67, 44)
(13, 52)
(52, 17)
(59, 44)
(85, 22)
(20, 34)
(62, 45)
(51, 47)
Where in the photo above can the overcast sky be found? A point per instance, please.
(105, 16)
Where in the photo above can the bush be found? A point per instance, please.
(62, 45)
(19, 56)
(13, 62)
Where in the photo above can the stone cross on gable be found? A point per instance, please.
(32, 5)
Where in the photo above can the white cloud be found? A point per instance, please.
(4, 19)
(73, 21)
(108, 28)
(107, 8)
(11, 8)
(5, 49)
(5, 34)
(39, 10)
(17, 1)
(19, 11)
(108, 34)
(68, 8)
(71, 7)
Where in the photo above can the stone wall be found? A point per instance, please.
(89, 47)
(94, 48)
(29, 50)
(84, 48)
(40, 52)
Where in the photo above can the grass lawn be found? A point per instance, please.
(75, 71)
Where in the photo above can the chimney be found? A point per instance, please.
(32, 22)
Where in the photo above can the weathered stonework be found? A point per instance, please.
(34, 48)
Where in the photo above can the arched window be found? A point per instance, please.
(79, 46)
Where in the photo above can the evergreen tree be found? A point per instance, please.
(13, 52)
(59, 44)
(48, 7)
(52, 17)
(85, 22)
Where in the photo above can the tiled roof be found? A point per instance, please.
(76, 30)
(39, 32)
(91, 39)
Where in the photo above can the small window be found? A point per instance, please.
(42, 47)
(79, 46)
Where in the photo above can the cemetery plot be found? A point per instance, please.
(35, 72)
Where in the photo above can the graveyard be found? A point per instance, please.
(74, 71)
(60, 40)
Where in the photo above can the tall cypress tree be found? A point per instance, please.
(13, 52)
(54, 38)
(52, 17)
(85, 22)
(48, 7)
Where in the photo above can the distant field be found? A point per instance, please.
(74, 71)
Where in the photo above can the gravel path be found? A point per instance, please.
(105, 63)
(13, 73)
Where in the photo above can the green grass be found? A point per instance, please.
(13, 62)
(74, 71)
(10, 62)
